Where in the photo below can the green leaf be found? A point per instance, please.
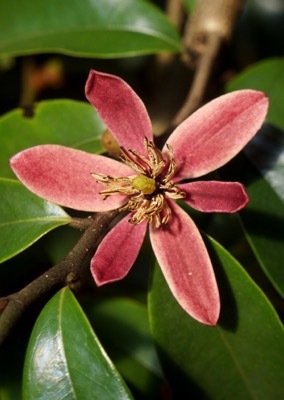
(242, 358)
(101, 28)
(66, 122)
(24, 218)
(263, 220)
(11, 392)
(263, 217)
(131, 348)
(267, 76)
(266, 153)
(64, 358)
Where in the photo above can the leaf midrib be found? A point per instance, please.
(31, 220)
(237, 364)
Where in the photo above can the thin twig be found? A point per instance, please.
(59, 275)
(174, 10)
(28, 93)
(175, 13)
(81, 223)
(210, 26)
(201, 79)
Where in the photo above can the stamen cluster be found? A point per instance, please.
(148, 190)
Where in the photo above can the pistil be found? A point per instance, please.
(144, 184)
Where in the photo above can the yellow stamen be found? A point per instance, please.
(147, 192)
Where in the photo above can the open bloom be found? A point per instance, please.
(147, 182)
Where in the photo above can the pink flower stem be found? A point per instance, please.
(65, 273)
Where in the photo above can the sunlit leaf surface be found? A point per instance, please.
(65, 360)
(66, 122)
(101, 28)
(24, 218)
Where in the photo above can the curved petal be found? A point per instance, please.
(117, 252)
(216, 132)
(63, 176)
(120, 108)
(214, 196)
(186, 266)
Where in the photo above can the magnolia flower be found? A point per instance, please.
(147, 182)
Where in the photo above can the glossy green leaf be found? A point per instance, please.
(131, 348)
(263, 221)
(66, 122)
(263, 217)
(64, 358)
(242, 358)
(267, 76)
(266, 153)
(24, 218)
(101, 28)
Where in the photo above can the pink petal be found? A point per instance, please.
(214, 196)
(117, 252)
(63, 176)
(185, 263)
(215, 133)
(120, 108)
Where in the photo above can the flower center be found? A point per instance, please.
(144, 184)
(148, 190)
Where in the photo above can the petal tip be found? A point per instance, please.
(90, 82)
(116, 103)
(99, 280)
(208, 316)
(212, 319)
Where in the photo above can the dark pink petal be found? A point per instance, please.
(215, 133)
(214, 196)
(117, 252)
(185, 263)
(120, 108)
(63, 176)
